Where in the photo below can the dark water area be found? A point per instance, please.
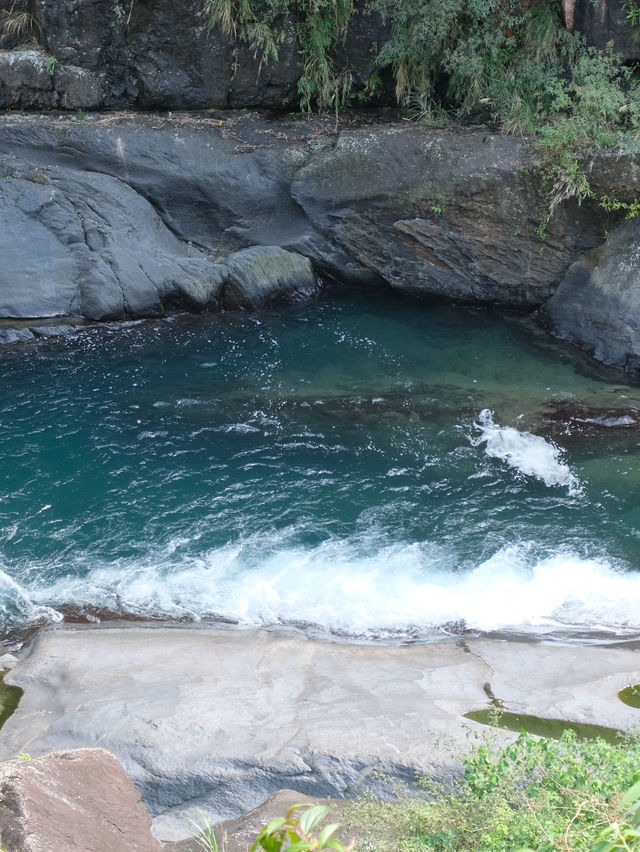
(359, 464)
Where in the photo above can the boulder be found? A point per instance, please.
(597, 305)
(262, 274)
(24, 80)
(76, 801)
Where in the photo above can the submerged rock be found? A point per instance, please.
(597, 305)
(76, 801)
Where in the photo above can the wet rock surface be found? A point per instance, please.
(220, 719)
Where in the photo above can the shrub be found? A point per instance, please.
(535, 794)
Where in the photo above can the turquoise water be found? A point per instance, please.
(359, 465)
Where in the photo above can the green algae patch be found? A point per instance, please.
(9, 698)
(630, 696)
(541, 727)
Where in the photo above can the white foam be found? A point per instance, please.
(358, 588)
(530, 455)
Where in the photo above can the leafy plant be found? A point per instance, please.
(631, 210)
(318, 26)
(299, 831)
(50, 64)
(535, 794)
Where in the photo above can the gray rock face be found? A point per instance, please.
(439, 214)
(597, 305)
(221, 719)
(161, 55)
(130, 217)
(76, 801)
(86, 244)
(605, 22)
(26, 82)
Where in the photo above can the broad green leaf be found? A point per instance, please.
(326, 833)
(632, 795)
(312, 817)
(272, 825)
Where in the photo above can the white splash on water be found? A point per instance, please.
(341, 586)
(529, 454)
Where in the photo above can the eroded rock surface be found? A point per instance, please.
(86, 244)
(76, 801)
(131, 217)
(221, 719)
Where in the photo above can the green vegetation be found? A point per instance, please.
(205, 834)
(318, 27)
(17, 23)
(50, 64)
(508, 63)
(301, 830)
(536, 794)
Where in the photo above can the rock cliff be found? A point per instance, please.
(135, 216)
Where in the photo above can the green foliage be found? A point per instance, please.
(50, 64)
(301, 830)
(535, 794)
(502, 61)
(318, 25)
(631, 210)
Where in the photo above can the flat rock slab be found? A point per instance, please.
(221, 718)
(76, 801)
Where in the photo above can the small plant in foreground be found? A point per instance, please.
(205, 838)
(299, 831)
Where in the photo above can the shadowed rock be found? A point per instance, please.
(597, 305)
